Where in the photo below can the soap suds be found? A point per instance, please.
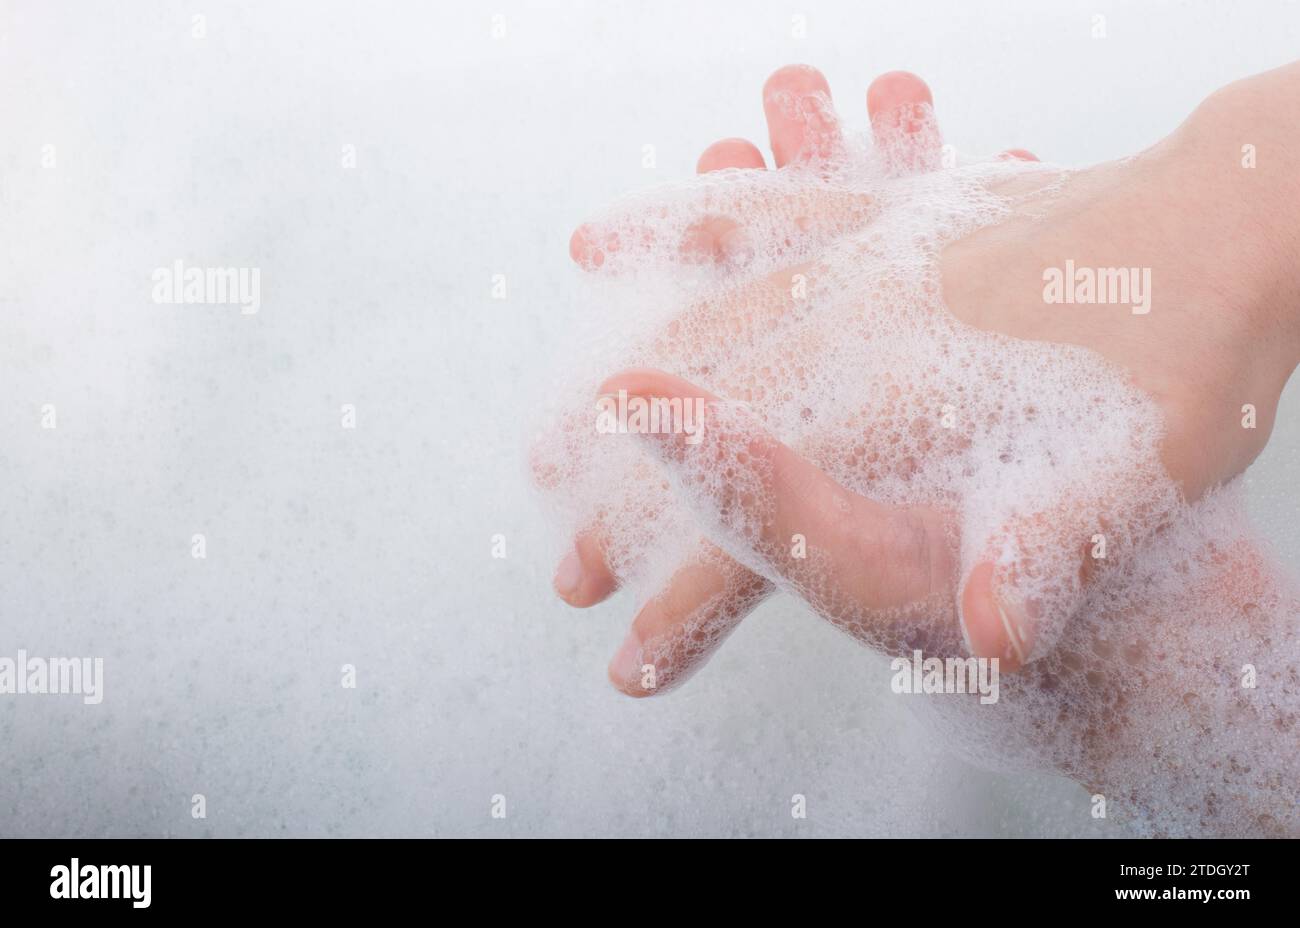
(830, 333)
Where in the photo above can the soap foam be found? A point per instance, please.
(824, 318)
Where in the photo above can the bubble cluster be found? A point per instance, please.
(820, 320)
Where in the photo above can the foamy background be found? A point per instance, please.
(475, 156)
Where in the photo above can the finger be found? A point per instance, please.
(720, 238)
(730, 153)
(801, 120)
(902, 122)
(897, 104)
(677, 631)
(724, 223)
(1018, 154)
(587, 574)
(583, 577)
(756, 495)
(992, 629)
(1028, 579)
(591, 244)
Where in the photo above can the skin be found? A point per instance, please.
(1224, 332)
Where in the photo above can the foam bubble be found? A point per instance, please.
(824, 316)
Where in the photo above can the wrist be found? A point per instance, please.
(1233, 171)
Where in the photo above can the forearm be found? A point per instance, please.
(1202, 738)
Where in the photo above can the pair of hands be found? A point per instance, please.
(1213, 345)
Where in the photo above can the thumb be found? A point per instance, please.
(1028, 578)
(866, 559)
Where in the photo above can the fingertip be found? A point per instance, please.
(626, 671)
(901, 109)
(730, 153)
(894, 90)
(583, 579)
(801, 120)
(647, 381)
(795, 78)
(568, 575)
(994, 626)
(583, 249)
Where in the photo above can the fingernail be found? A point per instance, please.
(1015, 622)
(568, 575)
(626, 664)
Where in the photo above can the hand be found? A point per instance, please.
(678, 629)
(1200, 386)
(1207, 350)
